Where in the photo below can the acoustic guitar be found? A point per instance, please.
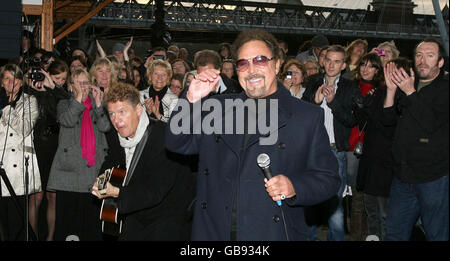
(109, 214)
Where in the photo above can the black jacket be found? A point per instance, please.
(376, 166)
(342, 107)
(233, 86)
(420, 148)
(155, 203)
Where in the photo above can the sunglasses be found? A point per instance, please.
(260, 60)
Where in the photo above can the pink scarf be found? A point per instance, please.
(87, 137)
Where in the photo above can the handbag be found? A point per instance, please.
(358, 151)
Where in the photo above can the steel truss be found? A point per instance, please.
(234, 16)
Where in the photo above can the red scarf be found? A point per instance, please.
(355, 136)
(87, 137)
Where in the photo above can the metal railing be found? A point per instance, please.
(222, 15)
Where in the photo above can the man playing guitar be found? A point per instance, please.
(153, 197)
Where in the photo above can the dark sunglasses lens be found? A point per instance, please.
(241, 64)
(260, 60)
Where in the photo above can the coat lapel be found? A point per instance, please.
(235, 142)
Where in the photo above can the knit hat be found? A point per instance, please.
(319, 41)
(118, 47)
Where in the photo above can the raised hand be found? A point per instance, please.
(391, 87)
(97, 94)
(76, 90)
(203, 84)
(388, 75)
(329, 92)
(319, 96)
(287, 83)
(100, 49)
(404, 81)
(149, 60)
(125, 50)
(48, 80)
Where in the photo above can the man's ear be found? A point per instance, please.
(344, 65)
(441, 62)
(139, 109)
(277, 66)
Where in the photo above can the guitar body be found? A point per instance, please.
(109, 214)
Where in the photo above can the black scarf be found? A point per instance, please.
(152, 93)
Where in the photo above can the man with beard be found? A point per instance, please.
(234, 200)
(420, 148)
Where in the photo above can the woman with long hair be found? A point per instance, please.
(103, 74)
(355, 51)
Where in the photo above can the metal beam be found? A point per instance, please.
(234, 16)
(81, 21)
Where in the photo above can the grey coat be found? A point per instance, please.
(70, 171)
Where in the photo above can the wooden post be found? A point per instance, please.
(46, 31)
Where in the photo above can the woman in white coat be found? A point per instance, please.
(19, 113)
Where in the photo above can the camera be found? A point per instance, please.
(159, 57)
(35, 75)
(289, 74)
(358, 151)
(381, 52)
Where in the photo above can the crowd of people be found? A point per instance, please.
(359, 122)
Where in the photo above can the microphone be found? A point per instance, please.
(263, 161)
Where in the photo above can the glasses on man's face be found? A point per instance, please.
(260, 60)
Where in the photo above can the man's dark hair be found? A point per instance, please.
(256, 35)
(205, 57)
(159, 48)
(441, 54)
(402, 62)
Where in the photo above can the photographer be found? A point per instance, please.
(293, 76)
(48, 93)
(16, 124)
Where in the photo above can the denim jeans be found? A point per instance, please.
(336, 230)
(409, 201)
(352, 169)
(376, 208)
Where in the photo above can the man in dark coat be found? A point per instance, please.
(159, 187)
(420, 148)
(234, 201)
